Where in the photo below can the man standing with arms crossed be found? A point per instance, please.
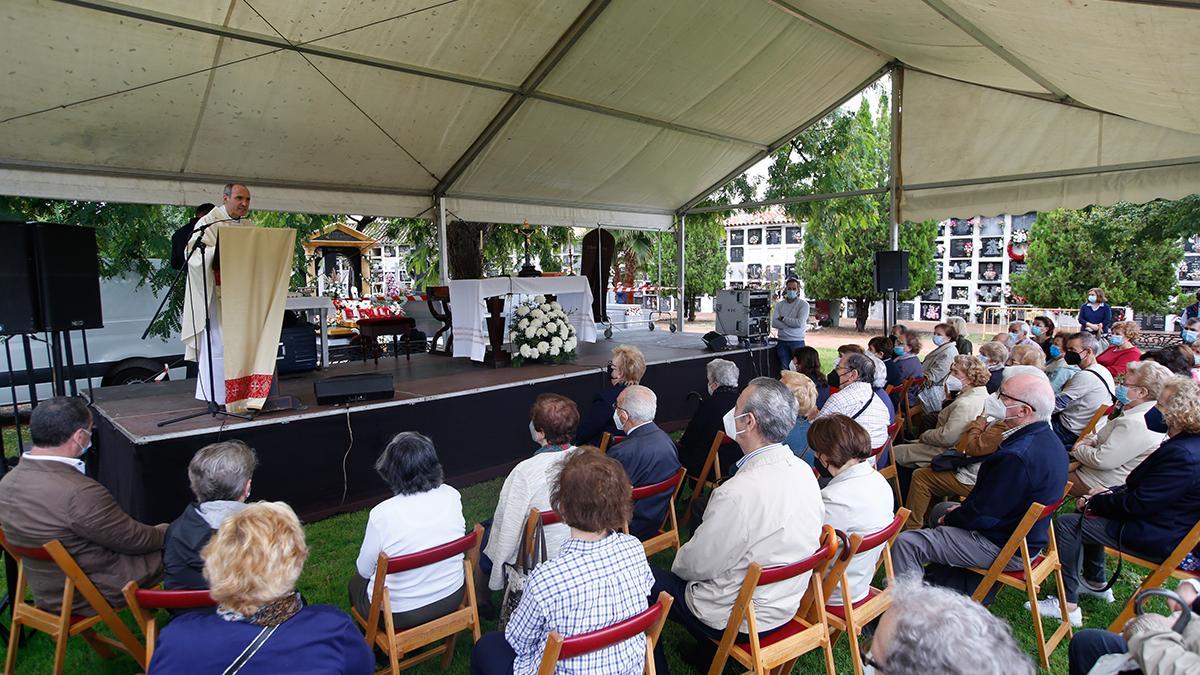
(791, 320)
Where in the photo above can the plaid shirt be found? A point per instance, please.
(589, 585)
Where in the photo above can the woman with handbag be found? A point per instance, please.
(952, 419)
(262, 625)
(599, 578)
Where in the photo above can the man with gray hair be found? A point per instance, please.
(769, 512)
(1029, 466)
(647, 453)
(697, 439)
(1088, 390)
(220, 478)
(934, 630)
(856, 398)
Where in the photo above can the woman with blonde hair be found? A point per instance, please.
(806, 396)
(262, 625)
(953, 419)
(1121, 351)
(626, 367)
(1028, 355)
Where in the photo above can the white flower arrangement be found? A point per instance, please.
(541, 331)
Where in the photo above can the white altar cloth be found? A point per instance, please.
(470, 312)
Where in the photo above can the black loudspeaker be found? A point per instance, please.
(891, 271)
(297, 350)
(68, 274)
(350, 388)
(19, 311)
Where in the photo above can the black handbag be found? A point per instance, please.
(952, 460)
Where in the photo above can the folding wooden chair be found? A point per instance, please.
(666, 538)
(649, 621)
(64, 625)
(144, 603)
(712, 466)
(1101, 412)
(607, 439)
(905, 406)
(547, 517)
(1034, 570)
(804, 632)
(889, 471)
(851, 619)
(1159, 572)
(396, 643)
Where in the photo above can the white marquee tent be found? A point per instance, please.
(575, 112)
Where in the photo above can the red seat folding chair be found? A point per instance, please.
(851, 619)
(1159, 572)
(144, 602)
(64, 625)
(550, 517)
(712, 467)
(396, 643)
(889, 471)
(649, 621)
(804, 632)
(667, 537)
(1034, 570)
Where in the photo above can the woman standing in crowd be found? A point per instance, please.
(1095, 316)
(1121, 351)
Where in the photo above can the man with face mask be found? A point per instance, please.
(791, 320)
(1091, 388)
(769, 512)
(47, 496)
(722, 391)
(1028, 467)
(647, 454)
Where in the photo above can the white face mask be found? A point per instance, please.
(730, 423)
(992, 407)
(617, 419)
(533, 433)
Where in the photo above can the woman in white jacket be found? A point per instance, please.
(954, 418)
(1105, 457)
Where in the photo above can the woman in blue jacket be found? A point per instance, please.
(1095, 316)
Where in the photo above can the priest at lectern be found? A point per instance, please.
(243, 271)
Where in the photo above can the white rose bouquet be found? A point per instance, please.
(541, 332)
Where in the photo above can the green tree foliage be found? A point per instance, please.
(1130, 250)
(704, 256)
(845, 152)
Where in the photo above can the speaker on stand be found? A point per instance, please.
(891, 277)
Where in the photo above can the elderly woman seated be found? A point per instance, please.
(857, 500)
(953, 419)
(1121, 351)
(220, 479)
(935, 368)
(627, 367)
(993, 355)
(1105, 457)
(424, 512)
(905, 364)
(600, 577)
(1025, 354)
(697, 439)
(806, 395)
(252, 564)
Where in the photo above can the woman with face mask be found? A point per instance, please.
(1042, 332)
(904, 363)
(1121, 351)
(1095, 316)
(1191, 346)
(1057, 369)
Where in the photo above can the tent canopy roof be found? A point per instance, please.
(574, 112)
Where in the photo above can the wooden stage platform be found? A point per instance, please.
(320, 459)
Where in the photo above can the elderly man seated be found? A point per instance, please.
(47, 496)
(856, 398)
(1091, 388)
(769, 512)
(706, 422)
(1018, 332)
(220, 479)
(1147, 515)
(647, 453)
(1028, 467)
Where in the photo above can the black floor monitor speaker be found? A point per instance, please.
(351, 388)
(891, 271)
(19, 307)
(68, 273)
(297, 350)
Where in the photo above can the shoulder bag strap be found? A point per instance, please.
(865, 406)
(250, 650)
(1111, 395)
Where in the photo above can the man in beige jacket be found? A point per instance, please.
(769, 512)
(47, 496)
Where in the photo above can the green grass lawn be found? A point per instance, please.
(334, 546)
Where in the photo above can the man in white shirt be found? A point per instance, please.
(791, 320)
(856, 398)
(1090, 388)
(768, 512)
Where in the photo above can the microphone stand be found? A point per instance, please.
(213, 408)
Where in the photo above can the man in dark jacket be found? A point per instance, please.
(697, 439)
(647, 453)
(1147, 516)
(179, 240)
(1029, 467)
(220, 478)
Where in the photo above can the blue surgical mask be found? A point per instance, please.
(1055, 352)
(1155, 421)
(939, 340)
(1016, 337)
(1116, 340)
(1123, 394)
(1036, 330)
(982, 359)
(1092, 299)
(792, 295)
(898, 350)
(1189, 336)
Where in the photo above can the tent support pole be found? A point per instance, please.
(439, 215)
(891, 308)
(679, 259)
